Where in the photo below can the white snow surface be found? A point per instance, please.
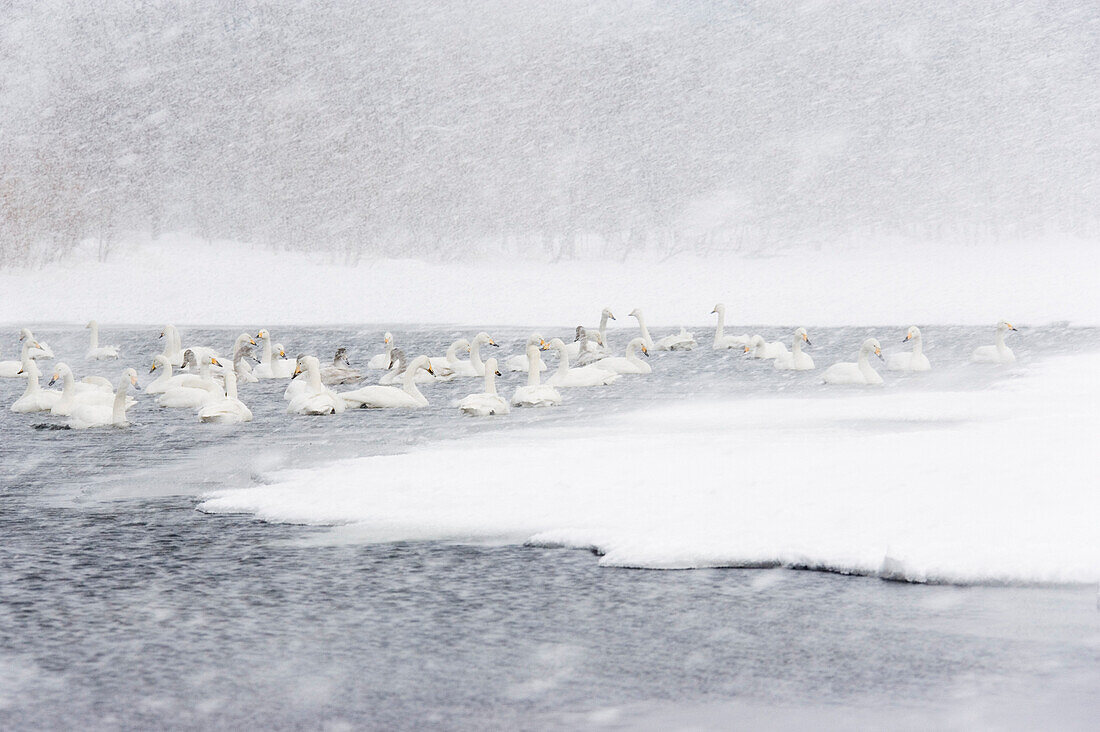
(185, 281)
(997, 485)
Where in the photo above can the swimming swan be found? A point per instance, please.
(564, 376)
(682, 341)
(796, 360)
(999, 353)
(488, 402)
(915, 360)
(97, 352)
(318, 399)
(535, 394)
(451, 364)
(229, 409)
(165, 380)
(629, 364)
(270, 368)
(192, 391)
(35, 398)
(392, 397)
(520, 362)
(14, 369)
(74, 392)
(860, 372)
(38, 349)
(340, 372)
(759, 348)
(382, 361)
(721, 340)
(87, 414)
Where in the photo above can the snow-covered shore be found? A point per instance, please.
(994, 485)
(186, 281)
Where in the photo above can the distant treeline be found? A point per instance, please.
(451, 129)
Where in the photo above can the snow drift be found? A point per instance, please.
(989, 486)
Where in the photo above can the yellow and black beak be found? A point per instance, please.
(214, 361)
(1010, 326)
(493, 343)
(430, 370)
(252, 341)
(55, 378)
(153, 368)
(645, 351)
(297, 369)
(497, 373)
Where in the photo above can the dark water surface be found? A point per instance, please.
(123, 607)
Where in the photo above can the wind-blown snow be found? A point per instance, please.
(181, 280)
(988, 486)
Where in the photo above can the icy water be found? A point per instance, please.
(121, 606)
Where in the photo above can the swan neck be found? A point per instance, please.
(796, 346)
(563, 360)
(1000, 340)
(68, 384)
(644, 329)
(409, 384)
(490, 382)
(917, 346)
(315, 378)
(118, 411)
(230, 385)
(475, 356)
(267, 351)
(603, 327)
(95, 334)
(721, 329)
(532, 365)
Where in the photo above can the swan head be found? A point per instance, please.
(262, 334)
(341, 356)
(1005, 325)
(556, 343)
(422, 362)
(387, 338)
(801, 334)
(278, 348)
(397, 357)
(60, 370)
(913, 334)
(484, 339)
(91, 324)
(189, 358)
(755, 342)
(491, 367)
(581, 333)
(719, 308)
(159, 362)
(132, 375)
(872, 346)
(215, 362)
(535, 340)
(26, 335)
(608, 314)
(635, 313)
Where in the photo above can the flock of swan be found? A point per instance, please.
(209, 386)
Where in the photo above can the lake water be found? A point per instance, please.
(121, 606)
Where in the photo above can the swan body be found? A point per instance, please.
(535, 394)
(97, 352)
(35, 398)
(796, 360)
(165, 380)
(382, 361)
(583, 344)
(564, 376)
(759, 348)
(997, 353)
(488, 402)
(241, 353)
(396, 375)
(318, 399)
(38, 349)
(392, 397)
(682, 341)
(914, 360)
(192, 391)
(451, 364)
(519, 362)
(630, 363)
(721, 340)
(270, 367)
(75, 392)
(227, 410)
(859, 372)
(87, 415)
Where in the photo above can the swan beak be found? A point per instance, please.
(712, 312)
(430, 370)
(55, 377)
(133, 381)
(493, 343)
(611, 316)
(386, 341)
(498, 373)
(543, 346)
(298, 369)
(22, 337)
(747, 349)
(214, 361)
(645, 351)
(808, 343)
(252, 341)
(282, 354)
(905, 339)
(467, 349)
(20, 371)
(878, 352)
(1011, 326)
(152, 368)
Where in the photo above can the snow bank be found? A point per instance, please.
(989, 486)
(181, 280)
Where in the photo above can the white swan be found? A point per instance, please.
(451, 364)
(165, 380)
(173, 345)
(392, 397)
(535, 394)
(629, 364)
(229, 409)
(38, 349)
(73, 391)
(97, 352)
(519, 362)
(584, 344)
(759, 348)
(88, 414)
(241, 353)
(915, 360)
(35, 398)
(682, 341)
(605, 315)
(488, 402)
(340, 372)
(318, 399)
(269, 367)
(14, 369)
(859, 372)
(382, 360)
(192, 391)
(564, 376)
(396, 375)
(721, 340)
(998, 353)
(796, 360)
